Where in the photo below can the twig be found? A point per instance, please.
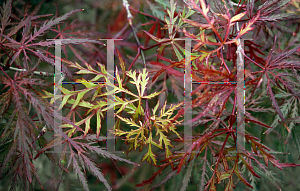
(137, 55)
(141, 52)
(39, 73)
(129, 17)
(147, 15)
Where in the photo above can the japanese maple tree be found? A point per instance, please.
(146, 92)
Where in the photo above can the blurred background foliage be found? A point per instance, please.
(108, 19)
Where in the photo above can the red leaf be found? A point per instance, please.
(257, 122)
(169, 70)
(288, 164)
(151, 31)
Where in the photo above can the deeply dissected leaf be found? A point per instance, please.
(48, 24)
(279, 17)
(139, 114)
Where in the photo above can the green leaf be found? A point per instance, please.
(98, 128)
(129, 121)
(152, 95)
(144, 81)
(155, 108)
(155, 10)
(79, 97)
(187, 176)
(64, 101)
(87, 125)
(149, 155)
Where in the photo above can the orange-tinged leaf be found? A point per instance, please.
(250, 168)
(237, 172)
(87, 125)
(154, 37)
(238, 17)
(224, 175)
(98, 128)
(196, 24)
(230, 185)
(248, 27)
(122, 63)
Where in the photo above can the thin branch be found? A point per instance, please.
(129, 17)
(156, 18)
(39, 73)
(137, 55)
